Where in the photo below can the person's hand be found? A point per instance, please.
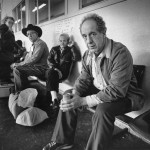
(72, 103)
(13, 65)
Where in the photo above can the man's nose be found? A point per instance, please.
(89, 40)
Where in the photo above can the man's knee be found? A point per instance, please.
(50, 73)
(103, 110)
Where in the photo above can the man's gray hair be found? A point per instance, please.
(98, 19)
(65, 35)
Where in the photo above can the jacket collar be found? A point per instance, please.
(107, 49)
(65, 49)
(37, 41)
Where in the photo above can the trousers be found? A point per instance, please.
(102, 124)
(21, 74)
(52, 80)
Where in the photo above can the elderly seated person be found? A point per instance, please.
(106, 81)
(59, 61)
(35, 62)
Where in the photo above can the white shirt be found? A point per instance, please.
(99, 81)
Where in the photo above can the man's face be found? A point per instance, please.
(92, 37)
(63, 41)
(32, 35)
(9, 23)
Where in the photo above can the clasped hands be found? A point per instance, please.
(74, 102)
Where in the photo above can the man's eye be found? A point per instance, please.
(84, 36)
(93, 34)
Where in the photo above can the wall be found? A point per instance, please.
(7, 6)
(127, 22)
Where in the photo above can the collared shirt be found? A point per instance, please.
(99, 81)
(38, 54)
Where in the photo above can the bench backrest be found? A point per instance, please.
(139, 73)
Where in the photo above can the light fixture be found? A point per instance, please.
(23, 8)
(17, 21)
(41, 6)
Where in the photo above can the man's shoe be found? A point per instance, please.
(57, 146)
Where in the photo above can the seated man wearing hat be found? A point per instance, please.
(35, 62)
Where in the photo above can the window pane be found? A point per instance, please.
(57, 8)
(85, 3)
(23, 9)
(0, 13)
(19, 18)
(33, 12)
(43, 10)
(15, 17)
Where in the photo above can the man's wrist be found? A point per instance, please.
(84, 101)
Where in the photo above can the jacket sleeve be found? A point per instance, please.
(51, 59)
(74, 54)
(37, 54)
(120, 76)
(84, 81)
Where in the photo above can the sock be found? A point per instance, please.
(53, 95)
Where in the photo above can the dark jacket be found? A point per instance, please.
(7, 42)
(61, 61)
(117, 70)
(7, 45)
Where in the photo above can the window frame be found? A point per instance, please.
(65, 10)
(15, 15)
(88, 5)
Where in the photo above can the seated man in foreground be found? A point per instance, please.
(35, 62)
(60, 62)
(107, 81)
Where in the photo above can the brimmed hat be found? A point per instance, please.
(32, 27)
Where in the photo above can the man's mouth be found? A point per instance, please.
(92, 47)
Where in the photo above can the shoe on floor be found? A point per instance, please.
(57, 146)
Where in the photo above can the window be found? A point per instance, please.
(33, 12)
(57, 8)
(85, 3)
(19, 17)
(23, 8)
(0, 13)
(19, 14)
(43, 10)
(38, 11)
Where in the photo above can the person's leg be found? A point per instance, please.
(52, 83)
(21, 74)
(103, 123)
(5, 72)
(20, 79)
(64, 131)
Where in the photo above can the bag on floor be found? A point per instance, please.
(21, 105)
